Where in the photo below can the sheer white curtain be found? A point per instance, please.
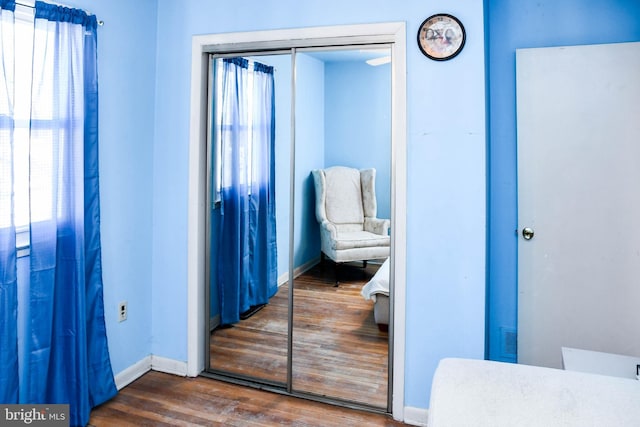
(52, 310)
(247, 273)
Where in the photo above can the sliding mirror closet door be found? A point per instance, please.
(249, 187)
(281, 311)
(342, 119)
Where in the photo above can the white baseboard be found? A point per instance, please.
(151, 362)
(133, 372)
(416, 416)
(284, 277)
(168, 366)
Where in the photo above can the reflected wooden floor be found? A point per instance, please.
(158, 399)
(338, 350)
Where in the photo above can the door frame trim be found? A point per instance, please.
(393, 33)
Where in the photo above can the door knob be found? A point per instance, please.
(527, 233)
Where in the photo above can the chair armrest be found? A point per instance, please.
(377, 226)
(329, 230)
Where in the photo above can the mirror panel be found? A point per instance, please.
(342, 118)
(256, 346)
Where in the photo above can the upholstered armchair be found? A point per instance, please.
(346, 209)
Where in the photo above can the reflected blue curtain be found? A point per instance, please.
(8, 275)
(64, 357)
(247, 264)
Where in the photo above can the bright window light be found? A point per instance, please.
(33, 149)
(22, 113)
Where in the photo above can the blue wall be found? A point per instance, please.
(144, 65)
(445, 171)
(282, 77)
(310, 149)
(358, 122)
(127, 46)
(526, 24)
(145, 68)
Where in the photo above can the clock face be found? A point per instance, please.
(441, 37)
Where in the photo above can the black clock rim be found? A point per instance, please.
(457, 51)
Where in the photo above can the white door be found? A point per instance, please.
(578, 118)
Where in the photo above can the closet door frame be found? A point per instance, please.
(393, 34)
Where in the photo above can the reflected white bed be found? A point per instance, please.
(377, 290)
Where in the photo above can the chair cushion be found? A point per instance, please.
(359, 239)
(344, 195)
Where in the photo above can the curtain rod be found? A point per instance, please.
(32, 4)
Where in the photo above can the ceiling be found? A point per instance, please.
(349, 55)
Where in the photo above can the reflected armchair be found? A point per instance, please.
(346, 209)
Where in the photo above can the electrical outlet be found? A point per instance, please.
(122, 311)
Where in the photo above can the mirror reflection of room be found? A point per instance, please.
(340, 303)
(338, 349)
(249, 142)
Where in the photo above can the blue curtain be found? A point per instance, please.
(8, 274)
(65, 356)
(247, 264)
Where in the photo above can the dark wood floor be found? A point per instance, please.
(338, 350)
(158, 399)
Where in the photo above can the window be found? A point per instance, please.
(22, 113)
(33, 142)
(215, 100)
(223, 122)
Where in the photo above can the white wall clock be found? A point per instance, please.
(441, 37)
